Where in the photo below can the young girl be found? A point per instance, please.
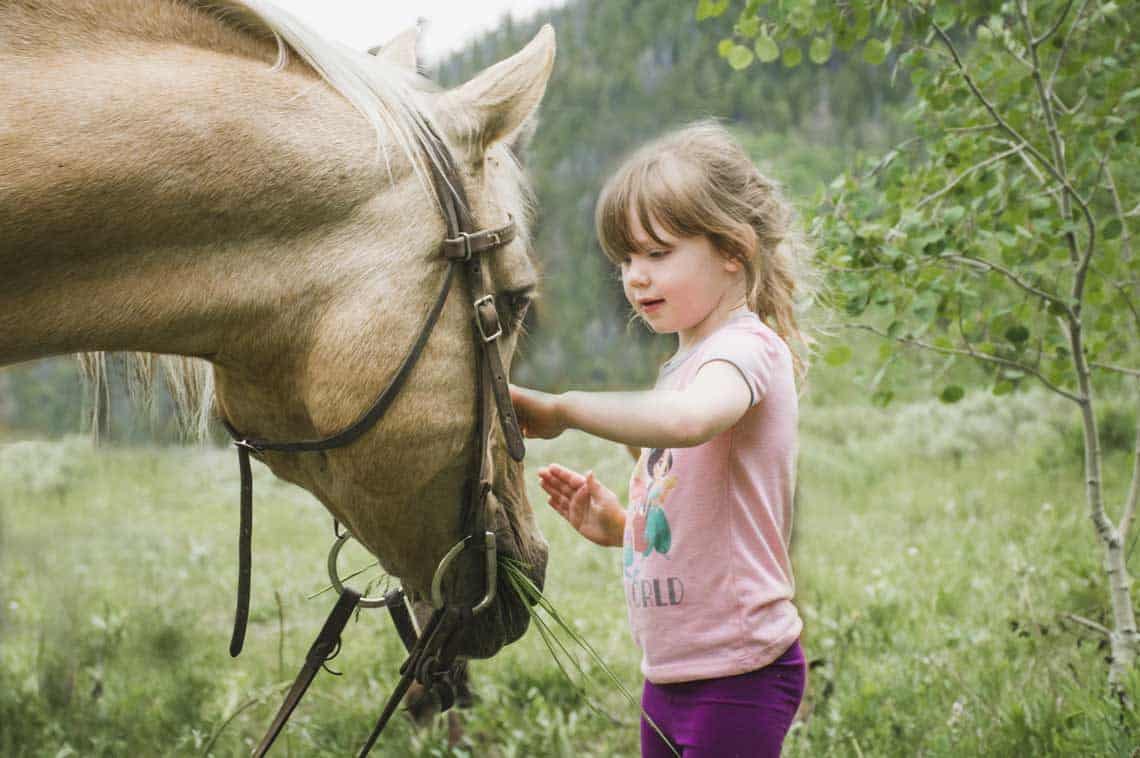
(706, 251)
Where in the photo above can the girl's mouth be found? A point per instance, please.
(649, 306)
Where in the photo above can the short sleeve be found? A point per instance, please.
(750, 350)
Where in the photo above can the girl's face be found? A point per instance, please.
(685, 286)
(661, 467)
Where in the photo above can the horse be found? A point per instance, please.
(214, 183)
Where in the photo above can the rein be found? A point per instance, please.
(432, 652)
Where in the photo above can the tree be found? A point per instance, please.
(1000, 232)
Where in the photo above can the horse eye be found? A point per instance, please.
(516, 305)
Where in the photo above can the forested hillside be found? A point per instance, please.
(626, 70)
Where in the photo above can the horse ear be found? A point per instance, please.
(400, 50)
(519, 141)
(498, 101)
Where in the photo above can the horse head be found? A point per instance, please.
(401, 487)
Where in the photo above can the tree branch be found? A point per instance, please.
(1018, 139)
(890, 156)
(976, 167)
(969, 260)
(1065, 44)
(1117, 369)
(998, 360)
(1044, 94)
(1053, 30)
(1090, 624)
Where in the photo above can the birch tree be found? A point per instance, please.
(1001, 231)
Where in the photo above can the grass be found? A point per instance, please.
(936, 557)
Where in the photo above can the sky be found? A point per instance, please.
(450, 23)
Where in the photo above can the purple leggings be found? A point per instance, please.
(743, 715)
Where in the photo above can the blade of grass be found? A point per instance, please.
(343, 579)
(550, 639)
(527, 590)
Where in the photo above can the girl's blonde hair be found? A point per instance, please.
(699, 181)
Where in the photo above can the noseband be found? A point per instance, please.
(431, 652)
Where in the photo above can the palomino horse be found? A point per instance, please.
(213, 180)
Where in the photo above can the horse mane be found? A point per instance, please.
(387, 96)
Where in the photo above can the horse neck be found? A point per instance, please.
(166, 198)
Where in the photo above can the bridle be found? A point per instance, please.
(432, 652)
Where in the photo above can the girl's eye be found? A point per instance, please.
(658, 253)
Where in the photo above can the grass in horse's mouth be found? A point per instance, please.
(536, 604)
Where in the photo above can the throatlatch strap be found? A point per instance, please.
(245, 537)
(323, 648)
(401, 618)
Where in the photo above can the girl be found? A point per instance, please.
(706, 251)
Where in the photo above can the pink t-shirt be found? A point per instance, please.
(706, 569)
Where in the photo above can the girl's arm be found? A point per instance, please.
(715, 400)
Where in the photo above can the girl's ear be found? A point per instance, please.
(494, 105)
(731, 265)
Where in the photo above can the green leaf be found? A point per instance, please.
(874, 51)
(1003, 387)
(749, 27)
(740, 57)
(766, 49)
(791, 56)
(724, 47)
(953, 214)
(711, 8)
(820, 50)
(1112, 229)
(952, 394)
(1017, 334)
(837, 355)
(945, 13)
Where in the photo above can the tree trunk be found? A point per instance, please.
(1123, 638)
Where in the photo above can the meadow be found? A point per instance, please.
(938, 550)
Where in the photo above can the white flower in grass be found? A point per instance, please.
(912, 551)
(957, 713)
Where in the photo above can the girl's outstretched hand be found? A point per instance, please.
(538, 412)
(589, 506)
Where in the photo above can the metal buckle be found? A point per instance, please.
(252, 448)
(479, 319)
(466, 245)
(492, 565)
(334, 575)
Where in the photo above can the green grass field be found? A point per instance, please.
(937, 550)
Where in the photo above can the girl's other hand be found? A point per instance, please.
(590, 507)
(538, 412)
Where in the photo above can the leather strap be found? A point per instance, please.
(245, 538)
(462, 247)
(369, 418)
(401, 618)
(323, 648)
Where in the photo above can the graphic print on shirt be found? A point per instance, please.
(648, 524)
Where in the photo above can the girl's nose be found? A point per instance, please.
(637, 275)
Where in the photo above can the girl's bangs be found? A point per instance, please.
(662, 197)
(637, 192)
